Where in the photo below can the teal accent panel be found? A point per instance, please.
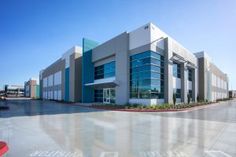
(67, 84)
(37, 91)
(88, 45)
(87, 70)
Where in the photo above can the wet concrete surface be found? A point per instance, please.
(50, 129)
(38, 107)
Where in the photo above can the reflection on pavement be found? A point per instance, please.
(122, 134)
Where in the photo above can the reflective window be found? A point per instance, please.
(176, 70)
(190, 74)
(98, 95)
(147, 75)
(177, 93)
(104, 71)
(190, 92)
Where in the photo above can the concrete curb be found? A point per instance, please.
(164, 110)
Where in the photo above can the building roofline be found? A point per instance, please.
(74, 49)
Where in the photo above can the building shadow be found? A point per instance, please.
(40, 107)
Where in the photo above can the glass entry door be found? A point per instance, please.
(108, 95)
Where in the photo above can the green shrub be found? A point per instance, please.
(174, 98)
(171, 106)
(161, 107)
(189, 98)
(153, 107)
(141, 106)
(157, 107)
(135, 105)
(198, 98)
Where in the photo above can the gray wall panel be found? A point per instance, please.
(117, 46)
(78, 79)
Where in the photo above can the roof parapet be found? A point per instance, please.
(203, 54)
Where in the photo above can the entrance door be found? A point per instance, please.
(106, 95)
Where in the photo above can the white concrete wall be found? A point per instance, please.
(176, 83)
(45, 82)
(146, 101)
(156, 34)
(49, 95)
(104, 80)
(57, 95)
(150, 33)
(50, 81)
(178, 100)
(66, 55)
(139, 37)
(57, 78)
(44, 94)
(145, 35)
(183, 52)
(218, 83)
(189, 85)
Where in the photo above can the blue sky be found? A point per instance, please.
(34, 33)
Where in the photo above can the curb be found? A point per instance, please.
(164, 110)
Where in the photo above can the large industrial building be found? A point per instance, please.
(213, 83)
(144, 66)
(62, 79)
(32, 89)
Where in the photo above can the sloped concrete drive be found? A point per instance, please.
(44, 128)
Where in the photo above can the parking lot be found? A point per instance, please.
(45, 128)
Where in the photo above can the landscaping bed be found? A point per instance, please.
(150, 108)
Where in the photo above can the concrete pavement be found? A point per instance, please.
(55, 129)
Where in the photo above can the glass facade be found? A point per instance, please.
(176, 70)
(147, 75)
(109, 95)
(104, 71)
(112, 95)
(67, 84)
(190, 74)
(190, 92)
(98, 95)
(105, 95)
(190, 78)
(87, 70)
(177, 93)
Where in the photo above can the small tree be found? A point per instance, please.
(174, 99)
(189, 98)
(198, 98)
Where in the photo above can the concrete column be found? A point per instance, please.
(122, 69)
(63, 81)
(195, 84)
(168, 72)
(72, 77)
(184, 81)
(41, 88)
